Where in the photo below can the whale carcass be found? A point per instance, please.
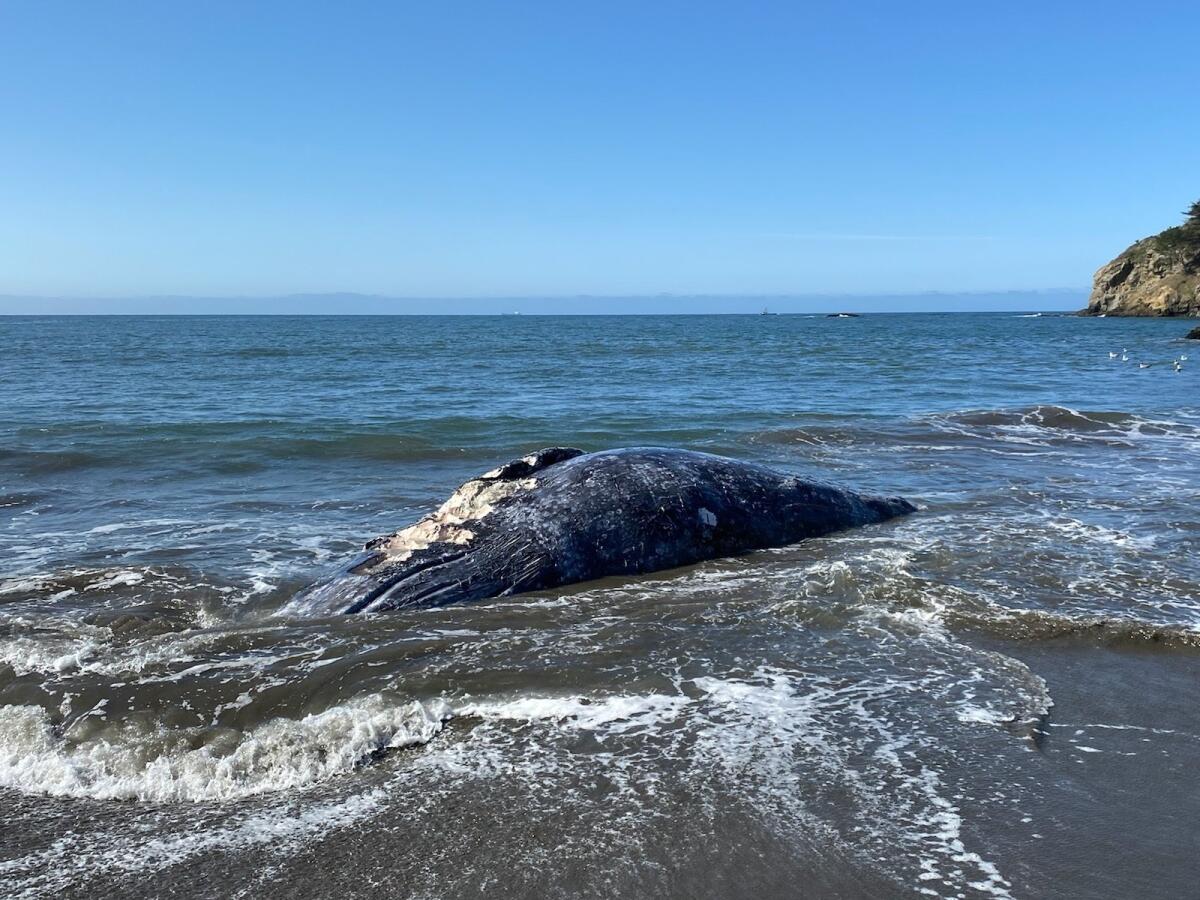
(560, 516)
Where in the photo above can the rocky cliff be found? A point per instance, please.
(1157, 276)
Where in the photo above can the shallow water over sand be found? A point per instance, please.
(981, 699)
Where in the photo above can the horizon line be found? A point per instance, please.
(1050, 313)
(647, 295)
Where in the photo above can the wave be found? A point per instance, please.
(1059, 418)
(867, 582)
(1007, 432)
(151, 762)
(1103, 630)
(133, 760)
(1061, 422)
(52, 462)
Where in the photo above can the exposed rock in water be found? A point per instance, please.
(1194, 334)
(1157, 276)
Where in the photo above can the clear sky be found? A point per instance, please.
(517, 149)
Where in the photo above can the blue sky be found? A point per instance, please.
(541, 149)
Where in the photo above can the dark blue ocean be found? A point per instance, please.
(982, 699)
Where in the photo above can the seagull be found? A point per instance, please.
(1178, 367)
(1112, 354)
(1183, 357)
(1124, 356)
(1143, 365)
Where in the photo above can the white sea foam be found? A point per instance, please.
(79, 648)
(128, 762)
(124, 578)
(1042, 427)
(48, 654)
(770, 733)
(982, 715)
(1075, 529)
(782, 716)
(87, 580)
(138, 525)
(25, 584)
(616, 715)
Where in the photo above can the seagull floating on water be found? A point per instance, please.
(1143, 365)
(1124, 356)
(1112, 354)
(1178, 367)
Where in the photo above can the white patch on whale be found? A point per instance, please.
(447, 525)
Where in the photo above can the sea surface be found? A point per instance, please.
(998, 696)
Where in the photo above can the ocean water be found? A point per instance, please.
(994, 697)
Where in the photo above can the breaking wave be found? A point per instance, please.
(141, 760)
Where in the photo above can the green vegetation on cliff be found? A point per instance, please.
(1180, 242)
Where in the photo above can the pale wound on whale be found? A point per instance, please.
(469, 503)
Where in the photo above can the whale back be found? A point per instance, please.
(636, 510)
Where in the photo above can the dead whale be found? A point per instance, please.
(560, 516)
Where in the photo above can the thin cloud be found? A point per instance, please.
(835, 236)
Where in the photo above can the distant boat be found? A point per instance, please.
(767, 312)
(842, 316)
